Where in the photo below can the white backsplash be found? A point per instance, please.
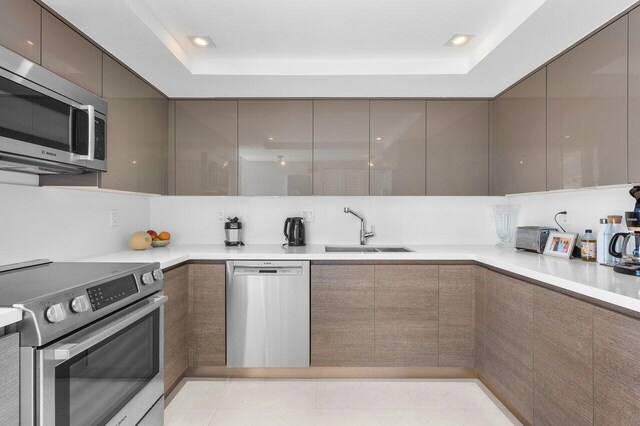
(65, 224)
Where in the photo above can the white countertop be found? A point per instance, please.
(9, 316)
(588, 279)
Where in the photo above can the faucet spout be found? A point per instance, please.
(363, 233)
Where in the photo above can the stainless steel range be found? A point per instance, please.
(91, 341)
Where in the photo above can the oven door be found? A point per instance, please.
(109, 373)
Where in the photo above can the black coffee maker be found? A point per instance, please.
(629, 251)
(294, 231)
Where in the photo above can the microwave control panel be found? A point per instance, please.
(103, 295)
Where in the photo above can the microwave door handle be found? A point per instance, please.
(91, 113)
(67, 351)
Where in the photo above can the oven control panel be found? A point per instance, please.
(103, 295)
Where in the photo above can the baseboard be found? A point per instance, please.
(503, 399)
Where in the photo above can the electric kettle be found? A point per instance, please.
(294, 231)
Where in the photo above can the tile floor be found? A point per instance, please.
(334, 402)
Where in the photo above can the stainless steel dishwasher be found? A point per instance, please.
(268, 314)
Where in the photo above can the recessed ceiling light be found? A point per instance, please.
(201, 41)
(459, 39)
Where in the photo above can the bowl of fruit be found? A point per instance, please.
(161, 239)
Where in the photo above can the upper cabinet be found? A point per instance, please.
(587, 112)
(397, 138)
(457, 147)
(275, 139)
(634, 96)
(520, 136)
(136, 132)
(70, 55)
(206, 147)
(341, 147)
(20, 27)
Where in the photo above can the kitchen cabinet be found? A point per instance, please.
(616, 345)
(563, 359)
(68, 54)
(406, 315)
(136, 132)
(207, 330)
(398, 144)
(206, 147)
(508, 355)
(20, 27)
(9, 379)
(275, 147)
(520, 137)
(458, 147)
(342, 315)
(634, 97)
(341, 147)
(176, 287)
(479, 310)
(455, 316)
(587, 112)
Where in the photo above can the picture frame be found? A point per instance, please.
(560, 244)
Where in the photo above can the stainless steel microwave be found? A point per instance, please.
(48, 125)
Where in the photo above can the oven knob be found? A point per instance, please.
(56, 313)
(147, 278)
(80, 304)
(158, 275)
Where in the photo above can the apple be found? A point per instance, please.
(153, 233)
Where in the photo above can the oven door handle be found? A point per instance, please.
(67, 351)
(91, 143)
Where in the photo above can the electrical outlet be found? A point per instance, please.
(309, 215)
(113, 218)
(220, 215)
(565, 219)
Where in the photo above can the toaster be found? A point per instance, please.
(532, 238)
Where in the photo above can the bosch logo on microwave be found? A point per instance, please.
(51, 154)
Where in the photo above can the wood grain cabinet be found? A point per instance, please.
(207, 330)
(136, 132)
(68, 54)
(479, 317)
(616, 345)
(9, 379)
(341, 147)
(398, 144)
(406, 315)
(20, 27)
(342, 315)
(456, 334)
(176, 287)
(520, 137)
(458, 147)
(206, 147)
(275, 147)
(563, 359)
(508, 355)
(587, 112)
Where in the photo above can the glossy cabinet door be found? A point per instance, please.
(275, 139)
(458, 147)
(176, 288)
(520, 133)
(587, 112)
(634, 97)
(406, 315)
(206, 143)
(20, 27)
(341, 147)
(68, 54)
(136, 132)
(397, 138)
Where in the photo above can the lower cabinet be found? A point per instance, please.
(455, 331)
(176, 288)
(9, 379)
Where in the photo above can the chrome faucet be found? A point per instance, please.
(363, 234)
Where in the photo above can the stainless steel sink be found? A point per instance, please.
(365, 249)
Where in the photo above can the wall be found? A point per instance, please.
(399, 220)
(65, 224)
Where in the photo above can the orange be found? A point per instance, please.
(164, 235)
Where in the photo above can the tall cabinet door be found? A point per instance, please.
(341, 147)
(20, 27)
(587, 112)
(634, 96)
(398, 145)
(275, 140)
(520, 131)
(206, 147)
(457, 147)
